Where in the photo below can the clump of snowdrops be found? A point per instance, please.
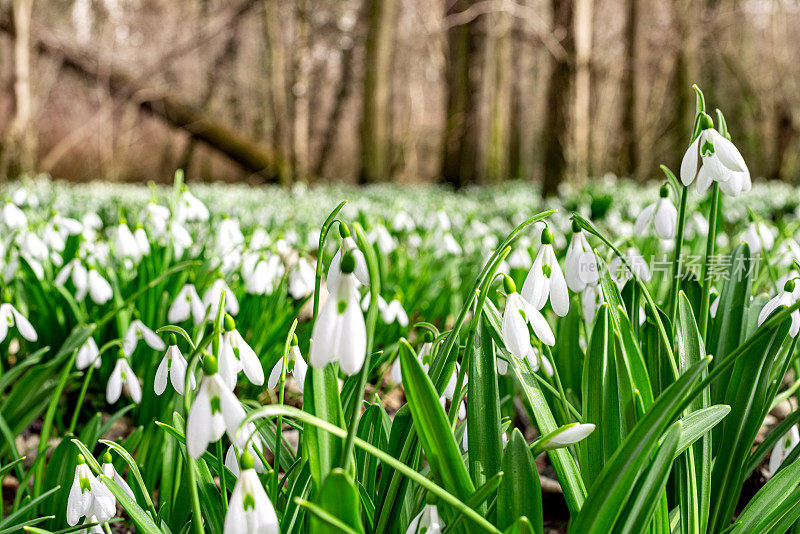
(187, 371)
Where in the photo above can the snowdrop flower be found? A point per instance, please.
(301, 279)
(99, 288)
(31, 246)
(580, 265)
(381, 236)
(181, 238)
(187, 304)
(260, 239)
(123, 375)
(620, 272)
(591, 299)
(783, 298)
(758, 237)
(13, 217)
(228, 236)
(348, 245)
(249, 509)
(10, 316)
(174, 366)
(236, 355)
(157, 218)
(213, 295)
(520, 258)
(447, 246)
(126, 244)
(136, 330)
(382, 304)
(66, 226)
(190, 208)
(538, 361)
(394, 312)
(88, 497)
(111, 473)
(142, 242)
(215, 409)
(661, 214)
(718, 159)
(427, 521)
(88, 355)
(402, 222)
(75, 270)
(545, 279)
(516, 317)
(231, 459)
(260, 273)
(298, 371)
(91, 224)
(566, 435)
(782, 449)
(339, 334)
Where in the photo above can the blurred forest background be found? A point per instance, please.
(458, 91)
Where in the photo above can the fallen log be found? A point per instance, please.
(249, 154)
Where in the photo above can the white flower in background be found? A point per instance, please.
(123, 376)
(520, 258)
(31, 246)
(340, 335)
(99, 288)
(759, 237)
(381, 236)
(782, 449)
(215, 409)
(447, 245)
(213, 294)
(348, 245)
(260, 273)
(539, 361)
(545, 279)
(428, 520)
(567, 435)
(298, 370)
(66, 226)
(189, 208)
(180, 237)
(10, 316)
(173, 366)
(92, 224)
(249, 509)
(142, 241)
(591, 299)
(517, 315)
(75, 270)
(236, 355)
(228, 236)
(394, 311)
(402, 222)
(395, 374)
(260, 239)
(785, 297)
(111, 473)
(157, 218)
(138, 330)
(88, 355)
(125, 243)
(620, 272)
(718, 159)
(580, 265)
(382, 304)
(712, 310)
(661, 214)
(231, 459)
(187, 304)
(88, 497)
(13, 217)
(301, 279)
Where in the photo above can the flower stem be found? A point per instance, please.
(710, 244)
(279, 421)
(372, 318)
(81, 396)
(223, 485)
(676, 261)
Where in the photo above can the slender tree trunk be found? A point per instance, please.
(22, 145)
(557, 121)
(516, 163)
(497, 151)
(461, 159)
(376, 111)
(628, 153)
(584, 12)
(275, 57)
(687, 72)
(301, 78)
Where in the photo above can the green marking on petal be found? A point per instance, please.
(216, 405)
(248, 503)
(341, 307)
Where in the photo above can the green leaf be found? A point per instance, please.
(433, 427)
(520, 492)
(698, 423)
(765, 507)
(337, 496)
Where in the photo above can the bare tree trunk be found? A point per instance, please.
(557, 121)
(516, 163)
(687, 72)
(584, 12)
(628, 152)
(497, 150)
(376, 111)
(301, 76)
(22, 144)
(461, 159)
(275, 57)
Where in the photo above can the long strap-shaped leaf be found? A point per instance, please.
(610, 492)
